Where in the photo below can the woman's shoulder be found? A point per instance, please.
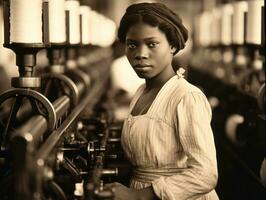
(182, 87)
(185, 90)
(194, 97)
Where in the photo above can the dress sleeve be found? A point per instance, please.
(196, 138)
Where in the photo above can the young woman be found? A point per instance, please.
(167, 135)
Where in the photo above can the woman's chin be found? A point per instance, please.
(143, 75)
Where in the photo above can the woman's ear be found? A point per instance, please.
(173, 50)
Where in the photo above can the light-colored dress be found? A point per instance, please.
(172, 146)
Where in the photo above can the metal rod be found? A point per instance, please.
(13, 112)
(60, 106)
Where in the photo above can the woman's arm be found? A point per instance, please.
(196, 138)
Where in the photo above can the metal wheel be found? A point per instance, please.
(19, 98)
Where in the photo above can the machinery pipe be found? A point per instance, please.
(89, 101)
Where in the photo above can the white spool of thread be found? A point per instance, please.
(108, 37)
(91, 26)
(263, 172)
(196, 32)
(85, 24)
(102, 33)
(215, 26)
(57, 21)
(1, 29)
(214, 102)
(74, 23)
(226, 24)
(26, 21)
(254, 22)
(205, 29)
(239, 8)
(112, 33)
(95, 28)
(92, 22)
(231, 127)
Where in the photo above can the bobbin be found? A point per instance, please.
(57, 35)
(25, 51)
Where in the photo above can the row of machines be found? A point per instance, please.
(229, 66)
(58, 135)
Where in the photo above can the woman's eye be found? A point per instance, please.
(131, 46)
(152, 44)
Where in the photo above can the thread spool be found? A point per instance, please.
(214, 102)
(103, 34)
(226, 24)
(107, 37)
(85, 24)
(94, 27)
(1, 27)
(263, 172)
(5, 54)
(91, 26)
(112, 33)
(239, 8)
(254, 25)
(57, 21)
(72, 6)
(231, 125)
(215, 27)
(26, 21)
(98, 28)
(205, 29)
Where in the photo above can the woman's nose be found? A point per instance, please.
(142, 53)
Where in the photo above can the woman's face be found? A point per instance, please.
(148, 50)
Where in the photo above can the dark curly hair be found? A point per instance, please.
(138, 16)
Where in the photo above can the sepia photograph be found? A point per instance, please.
(132, 100)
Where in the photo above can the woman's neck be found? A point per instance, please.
(159, 80)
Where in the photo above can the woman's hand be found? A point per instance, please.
(122, 192)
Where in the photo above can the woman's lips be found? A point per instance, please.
(142, 66)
